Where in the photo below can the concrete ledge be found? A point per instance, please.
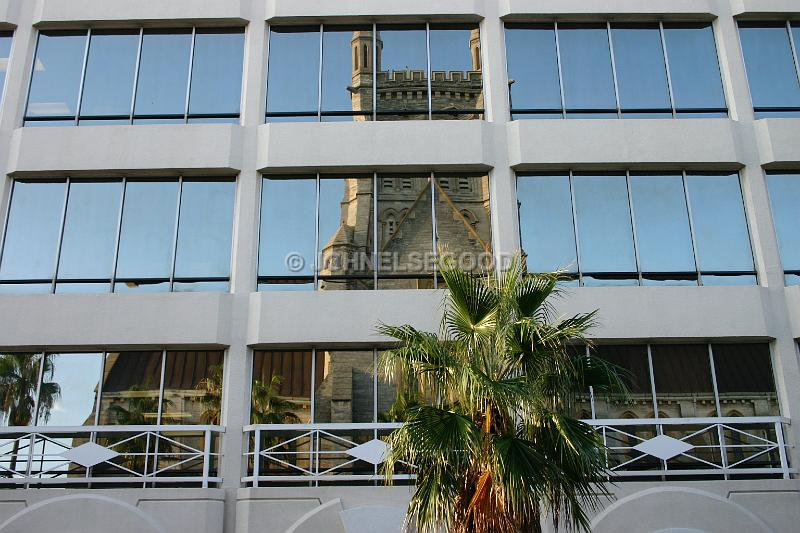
(386, 10)
(778, 144)
(760, 8)
(659, 144)
(193, 148)
(605, 9)
(424, 145)
(117, 320)
(53, 12)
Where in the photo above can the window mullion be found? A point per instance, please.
(119, 233)
(695, 251)
(319, 74)
(575, 229)
(189, 81)
(315, 261)
(136, 74)
(430, 85)
(374, 72)
(793, 47)
(30, 78)
(83, 76)
(560, 76)
(666, 68)
(714, 380)
(175, 234)
(60, 236)
(375, 250)
(7, 219)
(613, 68)
(632, 215)
(433, 228)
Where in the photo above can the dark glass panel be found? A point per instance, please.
(771, 69)
(586, 67)
(21, 390)
(631, 363)
(604, 223)
(784, 192)
(293, 82)
(288, 211)
(281, 391)
(684, 387)
(641, 72)
(110, 73)
(346, 232)
(720, 226)
(57, 74)
(463, 224)
(745, 380)
(456, 81)
(33, 230)
(533, 67)
(217, 72)
(545, 221)
(402, 72)
(131, 384)
(662, 223)
(205, 229)
(344, 388)
(76, 377)
(693, 66)
(163, 73)
(148, 230)
(5, 54)
(347, 71)
(90, 230)
(192, 387)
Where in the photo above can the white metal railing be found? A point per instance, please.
(635, 448)
(109, 455)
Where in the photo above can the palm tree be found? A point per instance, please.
(211, 387)
(139, 410)
(19, 380)
(268, 407)
(496, 446)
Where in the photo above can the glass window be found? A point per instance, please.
(663, 237)
(5, 55)
(293, 55)
(604, 224)
(641, 71)
(784, 192)
(456, 80)
(32, 231)
(720, 227)
(282, 385)
(745, 380)
(56, 75)
(586, 70)
(205, 229)
(533, 69)
(69, 392)
(402, 72)
(682, 374)
(148, 230)
(288, 228)
(216, 74)
(463, 226)
(634, 369)
(192, 387)
(771, 68)
(694, 69)
(110, 75)
(131, 388)
(90, 230)
(163, 75)
(18, 388)
(347, 73)
(344, 389)
(545, 221)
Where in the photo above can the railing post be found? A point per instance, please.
(782, 449)
(206, 457)
(722, 450)
(30, 459)
(256, 457)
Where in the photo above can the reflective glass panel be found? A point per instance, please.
(604, 223)
(32, 231)
(641, 72)
(216, 72)
(344, 389)
(463, 225)
(130, 392)
(293, 83)
(57, 74)
(90, 230)
(69, 390)
(288, 220)
(281, 389)
(684, 387)
(586, 67)
(784, 192)
(205, 229)
(405, 231)
(745, 380)
(192, 387)
(347, 71)
(21, 389)
(771, 69)
(662, 223)
(632, 366)
(5, 54)
(693, 66)
(533, 67)
(455, 69)
(402, 68)
(720, 226)
(163, 73)
(346, 229)
(110, 73)
(148, 229)
(545, 223)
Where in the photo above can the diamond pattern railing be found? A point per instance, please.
(109, 456)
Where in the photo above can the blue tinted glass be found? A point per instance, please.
(205, 229)
(604, 224)
(402, 67)
(586, 67)
(163, 72)
(720, 225)
(217, 72)
(455, 51)
(545, 223)
(34, 225)
(293, 82)
(57, 74)
(347, 69)
(5, 54)
(110, 73)
(641, 72)
(148, 229)
(784, 191)
(90, 230)
(693, 66)
(288, 221)
(78, 377)
(770, 65)
(662, 223)
(533, 68)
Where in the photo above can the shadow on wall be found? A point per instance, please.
(331, 517)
